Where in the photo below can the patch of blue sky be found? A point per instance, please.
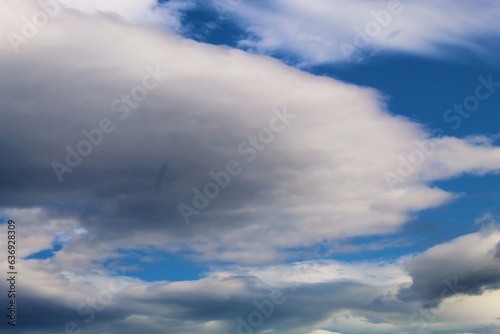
(211, 24)
(154, 265)
(406, 81)
(46, 254)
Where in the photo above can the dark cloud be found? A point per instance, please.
(112, 191)
(186, 311)
(451, 269)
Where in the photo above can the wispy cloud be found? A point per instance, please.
(319, 31)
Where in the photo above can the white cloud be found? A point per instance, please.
(315, 272)
(465, 265)
(38, 231)
(140, 11)
(469, 312)
(320, 31)
(486, 220)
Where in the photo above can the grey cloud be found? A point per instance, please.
(458, 267)
(302, 308)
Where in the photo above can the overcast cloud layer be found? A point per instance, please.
(306, 160)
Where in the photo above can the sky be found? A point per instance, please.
(236, 166)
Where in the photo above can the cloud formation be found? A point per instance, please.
(113, 114)
(467, 265)
(296, 298)
(318, 31)
(90, 115)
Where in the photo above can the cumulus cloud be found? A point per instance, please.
(341, 297)
(466, 265)
(96, 301)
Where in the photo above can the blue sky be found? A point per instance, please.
(333, 166)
